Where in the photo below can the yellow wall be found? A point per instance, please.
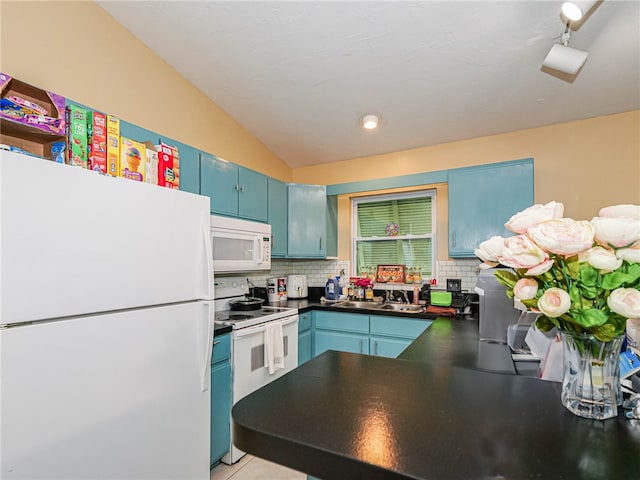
(81, 52)
(585, 164)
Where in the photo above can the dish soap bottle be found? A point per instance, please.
(331, 289)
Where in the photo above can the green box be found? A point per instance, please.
(441, 299)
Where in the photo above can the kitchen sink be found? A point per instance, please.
(396, 307)
(402, 307)
(358, 304)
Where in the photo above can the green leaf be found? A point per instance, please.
(573, 267)
(614, 280)
(633, 270)
(590, 317)
(605, 333)
(588, 275)
(545, 323)
(506, 278)
(531, 302)
(590, 292)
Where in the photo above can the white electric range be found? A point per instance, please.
(249, 368)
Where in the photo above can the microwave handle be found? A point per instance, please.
(258, 248)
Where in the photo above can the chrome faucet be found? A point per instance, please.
(404, 294)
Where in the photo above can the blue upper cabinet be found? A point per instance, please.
(234, 191)
(252, 195)
(307, 213)
(482, 199)
(219, 181)
(277, 216)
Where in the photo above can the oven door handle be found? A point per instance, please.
(244, 332)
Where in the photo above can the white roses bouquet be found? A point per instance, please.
(582, 276)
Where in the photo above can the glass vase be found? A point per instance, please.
(591, 376)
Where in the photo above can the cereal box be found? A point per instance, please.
(133, 158)
(168, 166)
(77, 145)
(113, 146)
(151, 170)
(98, 142)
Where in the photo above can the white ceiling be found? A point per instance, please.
(298, 75)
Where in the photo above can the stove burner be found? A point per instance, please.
(239, 316)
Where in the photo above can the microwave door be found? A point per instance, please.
(236, 251)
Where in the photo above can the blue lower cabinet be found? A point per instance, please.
(341, 341)
(391, 335)
(387, 347)
(220, 398)
(304, 347)
(305, 344)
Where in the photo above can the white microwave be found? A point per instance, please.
(240, 245)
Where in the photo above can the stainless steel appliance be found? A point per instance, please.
(240, 245)
(496, 309)
(249, 335)
(297, 286)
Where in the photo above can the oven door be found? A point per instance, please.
(248, 366)
(236, 251)
(249, 369)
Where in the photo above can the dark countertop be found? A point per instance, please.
(438, 412)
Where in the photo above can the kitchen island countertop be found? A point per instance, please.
(440, 411)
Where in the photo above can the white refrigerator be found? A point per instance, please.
(106, 326)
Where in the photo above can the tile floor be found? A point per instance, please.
(254, 468)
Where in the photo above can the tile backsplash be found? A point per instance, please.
(317, 271)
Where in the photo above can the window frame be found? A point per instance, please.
(430, 192)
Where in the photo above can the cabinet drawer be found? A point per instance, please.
(221, 348)
(398, 326)
(342, 322)
(304, 321)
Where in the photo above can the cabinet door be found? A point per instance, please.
(342, 322)
(341, 341)
(277, 216)
(219, 181)
(388, 347)
(482, 199)
(304, 347)
(332, 226)
(307, 213)
(252, 196)
(189, 165)
(220, 410)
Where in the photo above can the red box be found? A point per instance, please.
(98, 158)
(168, 166)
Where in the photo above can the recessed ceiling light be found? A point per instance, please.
(369, 121)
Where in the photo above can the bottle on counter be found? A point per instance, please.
(331, 289)
(368, 293)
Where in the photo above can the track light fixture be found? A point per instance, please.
(564, 58)
(576, 9)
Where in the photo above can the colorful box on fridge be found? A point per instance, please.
(113, 145)
(98, 142)
(25, 104)
(168, 166)
(77, 144)
(151, 170)
(133, 159)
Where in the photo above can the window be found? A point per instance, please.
(395, 229)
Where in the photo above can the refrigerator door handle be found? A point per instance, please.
(207, 330)
(208, 255)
